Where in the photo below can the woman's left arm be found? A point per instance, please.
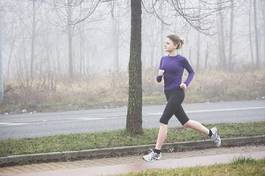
(188, 67)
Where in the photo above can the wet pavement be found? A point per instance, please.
(123, 165)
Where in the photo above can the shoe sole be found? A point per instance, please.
(155, 159)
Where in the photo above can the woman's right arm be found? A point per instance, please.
(160, 72)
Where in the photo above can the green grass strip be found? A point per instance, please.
(241, 167)
(116, 138)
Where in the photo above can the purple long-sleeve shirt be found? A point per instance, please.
(173, 67)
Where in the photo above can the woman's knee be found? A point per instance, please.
(162, 125)
(166, 116)
(187, 124)
(163, 120)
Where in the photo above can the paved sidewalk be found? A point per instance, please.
(113, 166)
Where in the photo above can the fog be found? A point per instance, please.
(36, 35)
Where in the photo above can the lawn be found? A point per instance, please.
(117, 138)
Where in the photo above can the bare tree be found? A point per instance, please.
(70, 29)
(33, 34)
(162, 30)
(153, 44)
(190, 55)
(262, 7)
(72, 7)
(11, 51)
(256, 33)
(221, 37)
(115, 42)
(230, 55)
(1, 63)
(190, 13)
(198, 16)
(198, 41)
(250, 32)
(81, 49)
(115, 37)
(134, 112)
(206, 57)
(152, 35)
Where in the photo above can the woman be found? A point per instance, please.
(171, 70)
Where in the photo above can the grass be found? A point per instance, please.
(240, 167)
(118, 138)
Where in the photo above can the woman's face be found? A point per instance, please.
(169, 45)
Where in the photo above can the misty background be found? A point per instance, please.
(54, 50)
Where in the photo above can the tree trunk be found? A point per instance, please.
(1, 64)
(256, 33)
(198, 42)
(206, 57)
(49, 66)
(198, 51)
(262, 8)
(115, 44)
(190, 55)
(221, 41)
(230, 64)
(134, 112)
(250, 33)
(115, 31)
(12, 47)
(162, 32)
(58, 68)
(81, 50)
(70, 38)
(33, 40)
(25, 65)
(152, 55)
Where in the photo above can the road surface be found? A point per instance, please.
(44, 124)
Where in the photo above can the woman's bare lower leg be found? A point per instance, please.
(162, 135)
(196, 126)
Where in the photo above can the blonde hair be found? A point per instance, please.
(176, 40)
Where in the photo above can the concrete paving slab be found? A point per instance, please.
(121, 165)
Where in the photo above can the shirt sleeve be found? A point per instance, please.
(188, 67)
(161, 64)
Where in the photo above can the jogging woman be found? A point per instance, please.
(171, 71)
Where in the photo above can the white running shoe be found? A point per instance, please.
(215, 137)
(151, 156)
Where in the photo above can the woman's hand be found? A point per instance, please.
(160, 75)
(159, 79)
(183, 86)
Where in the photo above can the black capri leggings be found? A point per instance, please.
(174, 99)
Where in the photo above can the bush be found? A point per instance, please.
(108, 90)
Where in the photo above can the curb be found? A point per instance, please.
(125, 151)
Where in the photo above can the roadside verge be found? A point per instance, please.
(125, 151)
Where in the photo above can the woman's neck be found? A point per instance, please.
(173, 53)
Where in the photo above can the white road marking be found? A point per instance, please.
(89, 118)
(12, 124)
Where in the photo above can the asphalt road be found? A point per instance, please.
(45, 124)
